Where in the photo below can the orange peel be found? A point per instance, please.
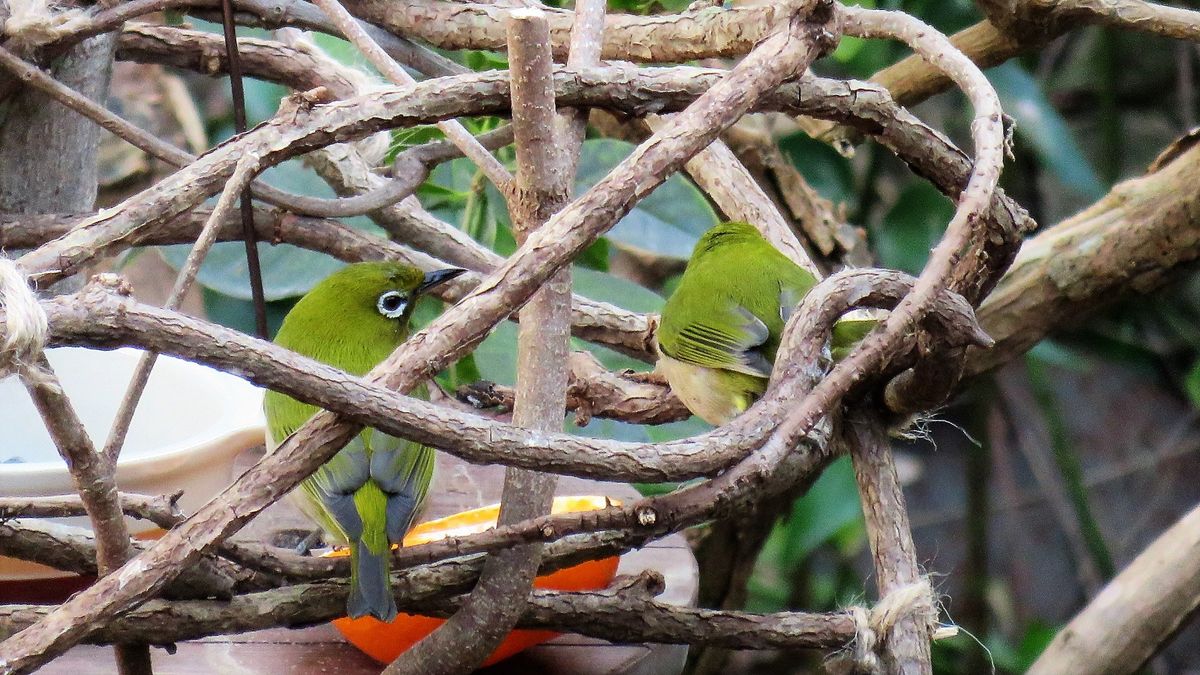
(385, 641)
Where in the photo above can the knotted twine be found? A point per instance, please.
(26, 326)
(32, 23)
(872, 626)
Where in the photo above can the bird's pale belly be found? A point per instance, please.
(705, 391)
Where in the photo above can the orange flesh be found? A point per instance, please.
(386, 641)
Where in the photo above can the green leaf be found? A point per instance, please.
(288, 271)
(1191, 384)
(496, 356)
(830, 506)
(1054, 353)
(1037, 637)
(238, 313)
(912, 227)
(463, 371)
(623, 293)
(619, 291)
(667, 222)
(1046, 131)
(825, 170)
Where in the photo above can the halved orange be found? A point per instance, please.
(386, 641)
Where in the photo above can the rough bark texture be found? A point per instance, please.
(1131, 241)
(1125, 624)
(539, 190)
(48, 152)
(615, 617)
(890, 537)
(693, 34)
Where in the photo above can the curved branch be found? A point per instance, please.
(98, 319)
(617, 617)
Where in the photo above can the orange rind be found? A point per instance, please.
(386, 641)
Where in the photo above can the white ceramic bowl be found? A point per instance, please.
(191, 424)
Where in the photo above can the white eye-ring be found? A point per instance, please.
(392, 304)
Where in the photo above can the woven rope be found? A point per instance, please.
(871, 626)
(25, 326)
(32, 23)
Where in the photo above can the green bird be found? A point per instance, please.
(368, 495)
(721, 328)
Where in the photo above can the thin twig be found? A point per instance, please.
(246, 206)
(162, 510)
(73, 549)
(453, 129)
(723, 177)
(242, 175)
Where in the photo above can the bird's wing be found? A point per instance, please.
(403, 470)
(733, 347)
(333, 485)
(789, 298)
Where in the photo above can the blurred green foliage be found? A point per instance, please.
(1080, 124)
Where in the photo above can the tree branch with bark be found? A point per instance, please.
(751, 467)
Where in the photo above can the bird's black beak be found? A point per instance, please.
(437, 278)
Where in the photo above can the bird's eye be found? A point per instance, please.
(392, 304)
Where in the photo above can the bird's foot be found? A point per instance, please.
(650, 377)
(309, 541)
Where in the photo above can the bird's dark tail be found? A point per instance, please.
(370, 589)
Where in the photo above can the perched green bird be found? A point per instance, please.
(370, 492)
(721, 327)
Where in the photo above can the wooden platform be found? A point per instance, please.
(320, 649)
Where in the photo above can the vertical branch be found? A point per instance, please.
(541, 188)
(587, 37)
(906, 642)
(249, 236)
(95, 481)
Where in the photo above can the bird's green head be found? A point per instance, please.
(371, 300)
(724, 234)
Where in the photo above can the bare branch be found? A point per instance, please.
(454, 130)
(1137, 612)
(890, 537)
(622, 617)
(161, 510)
(628, 332)
(541, 187)
(92, 475)
(1128, 242)
(270, 366)
(708, 32)
(243, 174)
